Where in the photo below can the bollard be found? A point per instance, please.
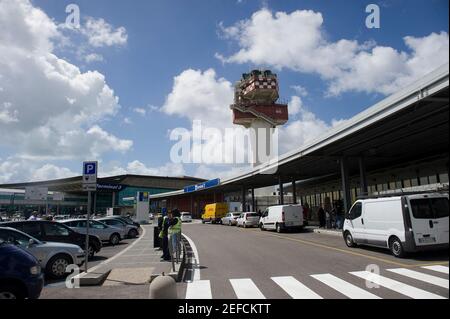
(163, 287)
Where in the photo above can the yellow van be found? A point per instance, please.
(214, 212)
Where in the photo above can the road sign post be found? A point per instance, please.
(90, 185)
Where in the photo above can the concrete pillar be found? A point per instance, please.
(253, 200)
(280, 183)
(294, 191)
(345, 184)
(363, 176)
(113, 199)
(244, 195)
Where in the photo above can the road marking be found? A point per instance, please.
(246, 289)
(441, 269)
(295, 288)
(196, 264)
(396, 286)
(120, 253)
(341, 250)
(200, 289)
(441, 282)
(345, 288)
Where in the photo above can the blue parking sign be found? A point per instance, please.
(90, 168)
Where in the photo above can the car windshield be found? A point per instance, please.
(252, 215)
(236, 214)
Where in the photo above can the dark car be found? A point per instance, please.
(56, 232)
(20, 273)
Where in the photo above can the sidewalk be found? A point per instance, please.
(324, 231)
(128, 273)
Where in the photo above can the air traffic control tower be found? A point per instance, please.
(256, 108)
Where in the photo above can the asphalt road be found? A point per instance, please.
(247, 263)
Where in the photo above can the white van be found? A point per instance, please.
(405, 223)
(282, 217)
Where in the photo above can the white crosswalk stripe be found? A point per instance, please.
(396, 286)
(199, 289)
(345, 288)
(246, 289)
(441, 282)
(294, 288)
(442, 269)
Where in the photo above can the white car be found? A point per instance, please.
(105, 232)
(247, 220)
(53, 257)
(230, 219)
(402, 224)
(282, 217)
(186, 217)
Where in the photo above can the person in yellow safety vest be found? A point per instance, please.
(175, 232)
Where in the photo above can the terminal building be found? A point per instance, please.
(66, 197)
(399, 144)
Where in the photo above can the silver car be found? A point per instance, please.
(248, 220)
(230, 219)
(131, 231)
(105, 232)
(53, 257)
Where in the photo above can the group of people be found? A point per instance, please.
(331, 216)
(169, 226)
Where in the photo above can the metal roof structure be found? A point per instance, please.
(408, 126)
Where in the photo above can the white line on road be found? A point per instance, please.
(120, 253)
(441, 282)
(295, 288)
(200, 289)
(396, 286)
(196, 264)
(246, 289)
(345, 288)
(442, 269)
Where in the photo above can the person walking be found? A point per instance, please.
(322, 217)
(175, 233)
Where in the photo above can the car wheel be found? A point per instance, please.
(261, 226)
(114, 239)
(91, 251)
(132, 233)
(396, 247)
(11, 292)
(203, 221)
(349, 240)
(278, 228)
(57, 265)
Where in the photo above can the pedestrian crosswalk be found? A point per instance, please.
(430, 276)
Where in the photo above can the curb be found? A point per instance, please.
(328, 232)
(92, 278)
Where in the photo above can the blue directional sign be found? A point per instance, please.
(208, 184)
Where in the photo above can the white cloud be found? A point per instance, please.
(127, 120)
(199, 95)
(298, 41)
(100, 33)
(140, 111)
(20, 170)
(93, 57)
(48, 107)
(300, 90)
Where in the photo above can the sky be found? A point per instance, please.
(117, 86)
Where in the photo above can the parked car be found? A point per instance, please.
(61, 217)
(186, 217)
(131, 231)
(128, 221)
(214, 213)
(247, 220)
(56, 232)
(20, 273)
(282, 217)
(230, 219)
(53, 257)
(107, 233)
(402, 224)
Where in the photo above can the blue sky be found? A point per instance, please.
(161, 39)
